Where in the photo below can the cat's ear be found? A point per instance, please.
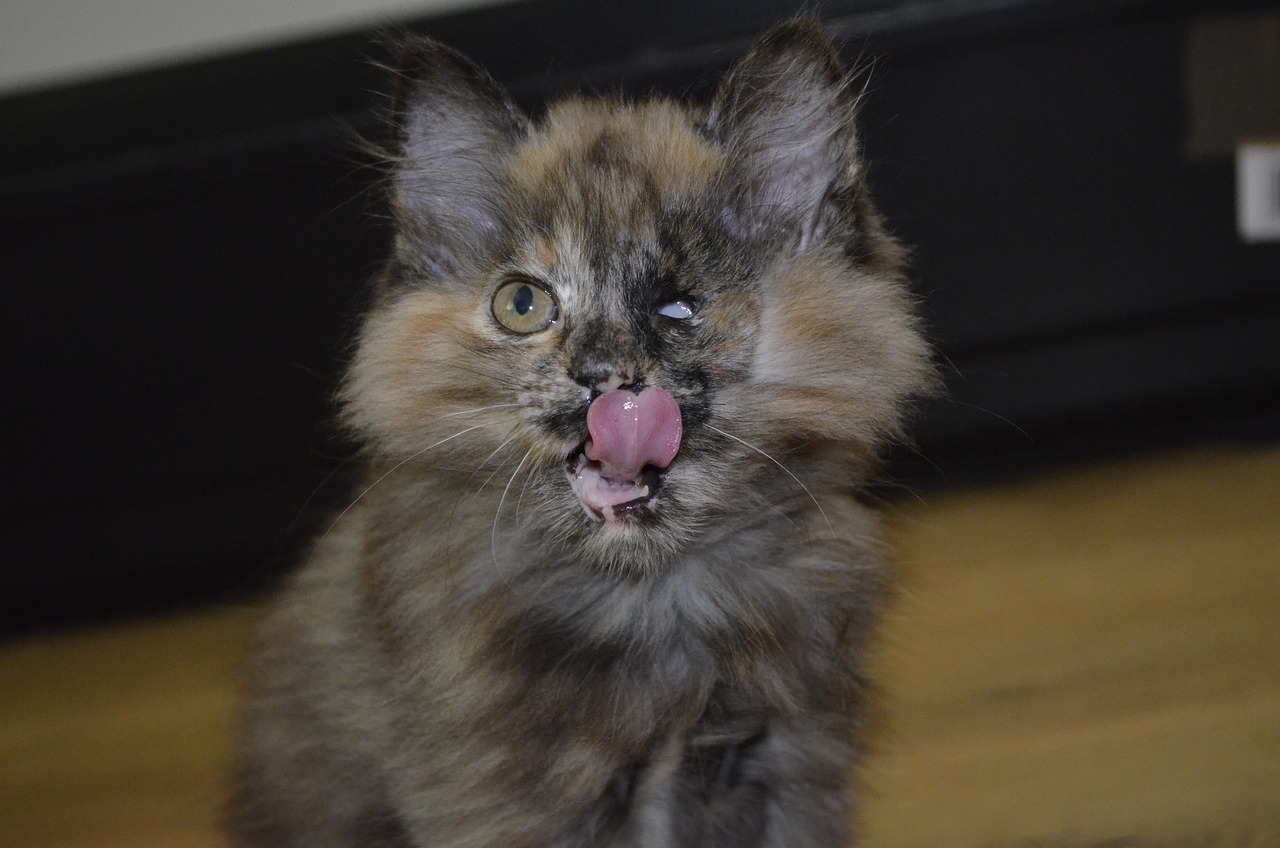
(453, 125)
(785, 114)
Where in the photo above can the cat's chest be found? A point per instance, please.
(682, 646)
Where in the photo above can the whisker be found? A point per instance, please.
(302, 510)
(387, 474)
(783, 514)
(524, 487)
(510, 438)
(994, 415)
(497, 513)
(799, 482)
(473, 411)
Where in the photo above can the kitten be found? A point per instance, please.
(606, 582)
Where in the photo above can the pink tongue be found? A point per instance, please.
(631, 431)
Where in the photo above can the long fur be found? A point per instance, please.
(467, 658)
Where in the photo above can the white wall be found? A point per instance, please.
(50, 41)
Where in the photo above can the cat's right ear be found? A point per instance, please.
(786, 115)
(452, 127)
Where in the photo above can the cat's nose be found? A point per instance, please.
(603, 376)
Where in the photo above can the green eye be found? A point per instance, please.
(524, 307)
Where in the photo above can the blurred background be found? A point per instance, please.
(1086, 652)
(186, 228)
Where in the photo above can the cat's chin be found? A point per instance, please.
(628, 526)
(613, 500)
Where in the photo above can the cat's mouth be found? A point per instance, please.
(608, 497)
(632, 439)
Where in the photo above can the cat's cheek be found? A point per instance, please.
(417, 372)
(836, 357)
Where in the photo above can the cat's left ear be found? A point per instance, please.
(453, 126)
(785, 115)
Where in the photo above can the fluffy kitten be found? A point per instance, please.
(606, 582)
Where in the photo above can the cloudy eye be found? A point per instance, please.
(524, 307)
(679, 309)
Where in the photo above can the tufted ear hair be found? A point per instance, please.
(786, 114)
(452, 127)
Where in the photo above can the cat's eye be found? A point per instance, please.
(523, 306)
(680, 310)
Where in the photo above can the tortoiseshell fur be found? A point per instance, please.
(468, 658)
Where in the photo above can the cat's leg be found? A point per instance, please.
(313, 725)
(810, 773)
(476, 796)
(299, 817)
(716, 800)
(298, 787)
(789, 787)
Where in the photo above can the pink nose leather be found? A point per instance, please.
(629, 431)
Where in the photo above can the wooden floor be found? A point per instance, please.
(1090, 659)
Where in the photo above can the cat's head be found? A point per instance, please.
(641, 323)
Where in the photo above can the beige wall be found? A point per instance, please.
(45, 42)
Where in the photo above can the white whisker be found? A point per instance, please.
(302, 510)
(784, 515)
(799, 482)
(473, 411)
(493, 534)
(524, 486)
(511, 438)
(387, 474)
